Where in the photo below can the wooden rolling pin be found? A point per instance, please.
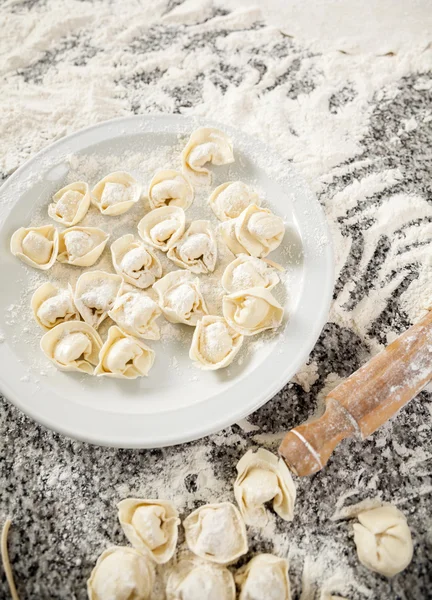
(364, 401)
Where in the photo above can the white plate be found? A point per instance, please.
(172, 405)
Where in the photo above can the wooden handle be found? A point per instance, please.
(364, 401)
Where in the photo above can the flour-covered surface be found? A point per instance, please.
(359, 128)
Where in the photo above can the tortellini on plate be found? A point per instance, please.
(170, 188)
(136, 313)
(121, 573)
(52, 306)
(383, 540)
(196, 250)
(263, 478)
(252, 311)
(116, 193)
(72, 346)
(36, 246)
(180, 297)
(95, 294)
(214, 344)
(162, 227)
(70, 204)
(81, 246)
(193, 579)
(124, 356)
(264, 577)
(206, 145)
(248, 272)
(216, 532)
(136, 263)
(231, 198)
(151, 526)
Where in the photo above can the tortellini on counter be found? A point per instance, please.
(248, 272)
(206, 145)
(70, 204)
(36, 246)
(231, 198)
(214, 344)
(180, 297)
(95, 294)
(162, 227)
(252, 311)
(196, 250)
(194, 579)
(136, 313)
(124, 356)
(264, 577)
(170, 188)
(52, 306)
(135, 262)
(72, 346)
(116, 193)
(81, 246)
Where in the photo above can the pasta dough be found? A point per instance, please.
(135, 262)
(265, 577)
(95, 294)
(121, 573)
(180, 298)
(136, 313)
(231, 198)
(81, 246)
(197, 249)
(383, 540)
(193, 579)
(206, 145)
(116, 193)
(124, 356)
(70, 204)
(252, 311)
(214, 343)
(263, 478)
(162, 227)
(36, 246)
(248, 272)
(170, 188)
(151, 526)
(216, 532)
(52, 306)
(72, 346)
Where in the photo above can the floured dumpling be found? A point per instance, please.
(95, 294)
(214, 343)
(193, 579)
(265, 577)
(248, 272)
(196, 250)
(81, 246)
(263, 478)
(162, 227)
(227, 231)
(121, 573)
(36, 246)
(180, 297)
(206, 145)
(230, 199)
(124, 356)
(135, 262)
(70, 204)
(52, 306)
(116, 193)
(216, 532)
(383, 540)
(252, 311)
(136, 313)
(72, 346)
(170, 188)
(151, 526)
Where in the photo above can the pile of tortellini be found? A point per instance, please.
(72, 316)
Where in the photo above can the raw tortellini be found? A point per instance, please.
(36, 246)
(230, 199)
(116, 193)
(95, 294)
(162, 227)
(248, 272)
(124, 356)
(136, 313)
(252, 311)
(206, 145)
(52, 306)
(72, 346)
(70, 204)
(383, 540)
(121, 573)
(193, 579)
(214, 344)
(170, 188)
(180, 297)
(151, 526)
(135, 262)
(196, 250)
(81, 246)
(216, 532)
(265, 577)
(263, 478)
